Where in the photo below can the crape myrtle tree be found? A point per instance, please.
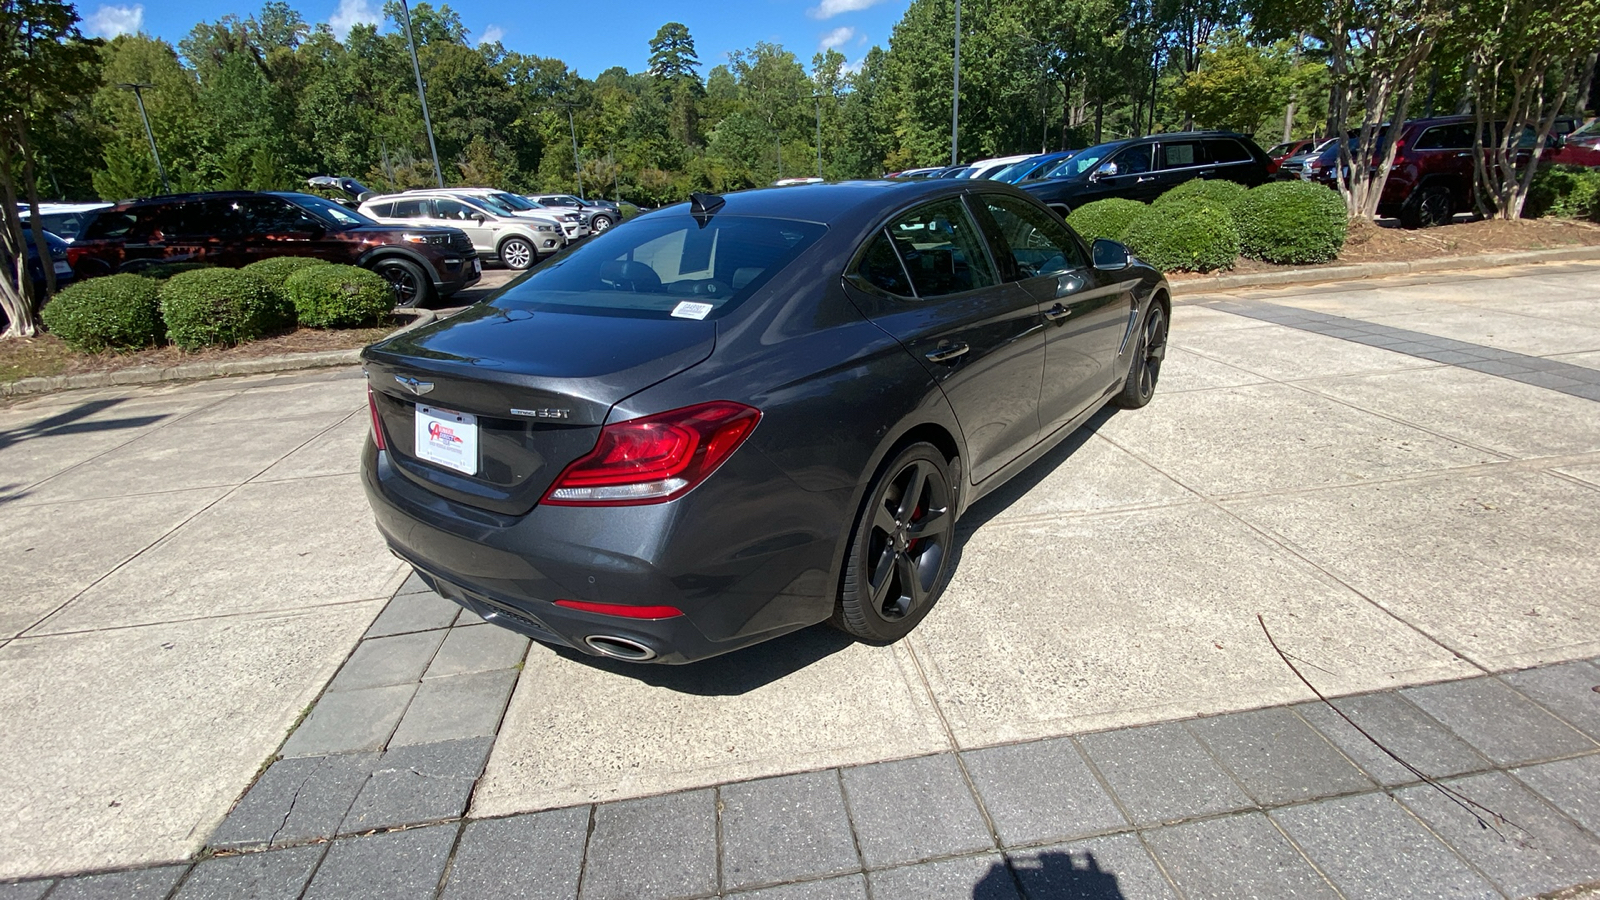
(1527, 58)
(46, 68)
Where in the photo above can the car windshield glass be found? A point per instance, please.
(515, 202)
(1083, 162)
(1014, 171)
(666, 267)
(1590, 130)
(492, 205)
(328, 211)
(1281, 149)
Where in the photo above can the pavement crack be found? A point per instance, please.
(294, 799)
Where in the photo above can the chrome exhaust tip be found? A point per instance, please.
(619, 648)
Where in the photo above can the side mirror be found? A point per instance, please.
(480, 218)
(1109, 170)
(1109, 256)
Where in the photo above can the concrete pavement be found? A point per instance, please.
(1397, 519)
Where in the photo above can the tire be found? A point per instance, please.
(1145, 368)
(411, 285)
(600, 223)
(517, 253)
(1427, 207)
(904, 536)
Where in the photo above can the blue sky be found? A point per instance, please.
(590, 35)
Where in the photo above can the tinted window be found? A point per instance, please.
(1039, 244)
(1223, 150)
(880, 267)
(110, 225)
(1446, 137)
(407, 209)
(326, 210)
(453, 210)
(1179, 154)
(1134, 160)
(942, 250)
(656, 264)
(264, 214)
(200, 219)
(382, 210)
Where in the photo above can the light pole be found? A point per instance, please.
(577, 164)
(416, 69)
(955, 98)
(138, 88)
(818, 98)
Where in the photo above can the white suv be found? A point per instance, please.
(507, 203)
(516, 241)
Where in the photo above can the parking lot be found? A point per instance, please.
(1397, 477)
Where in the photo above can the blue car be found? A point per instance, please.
(58, 260)
(1033, 167)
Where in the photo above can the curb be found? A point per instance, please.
(197, 371)
(1375, 270)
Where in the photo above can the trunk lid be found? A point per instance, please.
(540, 385)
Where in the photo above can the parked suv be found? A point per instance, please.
(599, 216)
(506, 203)
(1143, 168)
(516, 242)
(1433, 175)
(236, 228)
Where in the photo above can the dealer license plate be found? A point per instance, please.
(477, 267)
(448, 438)
(63, 267)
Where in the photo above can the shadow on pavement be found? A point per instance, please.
(998, 502)
(66, 423)
(1051, 875)
(733, 673)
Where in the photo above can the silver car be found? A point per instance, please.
(515, 241)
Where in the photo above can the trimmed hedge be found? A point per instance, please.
(1291, 223)
(1570, 192)
(114, 312)
(1105, 218)
(278, 269)
(1219, 191)
(163, 271)
(1192, 235)
(330, 296)
(212, 307)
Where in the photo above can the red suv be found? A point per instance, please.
(1433, 178)
(236, 228)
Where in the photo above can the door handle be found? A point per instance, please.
(1143, 178)
(1057, 313)
(946, 354)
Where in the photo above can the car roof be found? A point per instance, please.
(837, 201)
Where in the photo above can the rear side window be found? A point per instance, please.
(880, 267)
(667, 266)
(407, 209)
(1223, 150)
(1446, 137)
(382, 210)
(1037, 242)
(942, 250)
(1180, 154)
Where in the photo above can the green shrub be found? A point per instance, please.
(1220, 191)
(114, 312)
(1570, 192)
(163, 271)
(338, 296)
(1291, 223)
(1105, 218)
(278, 269)
(211, 307)
(1192, 235)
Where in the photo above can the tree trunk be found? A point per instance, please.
(1585, 84)
(1099, 120)
(16, 288)
(30, 183)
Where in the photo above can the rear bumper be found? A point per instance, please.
(735, 586)
(457, 272)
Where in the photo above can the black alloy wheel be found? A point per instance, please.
(1145, 368)
(1430, 207)
(900, 557)
(411, 287)
(599, 224)
(517, 253)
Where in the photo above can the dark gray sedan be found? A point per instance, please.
(744, 415)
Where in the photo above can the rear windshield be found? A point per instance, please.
(667, 266)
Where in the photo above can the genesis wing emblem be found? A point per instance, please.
(416, 387)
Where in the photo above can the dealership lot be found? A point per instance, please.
(1399, 477)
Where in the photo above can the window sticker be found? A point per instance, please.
(690, 310)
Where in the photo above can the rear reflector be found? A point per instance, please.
(655, 458)
(377, 424)
(623, 610)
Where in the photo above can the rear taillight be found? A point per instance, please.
(377, 424)
(623, 610)
(655, 458)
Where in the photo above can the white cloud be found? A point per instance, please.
(110, 21)
(827, 9)
(836, 38)
(493, 34)
(350, 14)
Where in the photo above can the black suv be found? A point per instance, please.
(236, 228)
(1142, 168)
